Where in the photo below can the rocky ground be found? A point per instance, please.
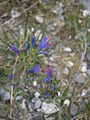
(70, 58)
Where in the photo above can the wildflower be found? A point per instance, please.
(27, 47)
(14, 86)
(48, 72)
(15, 49)
(43, 44)
(52, 87)
(10, 76)
(33, 41)
(46, 94)
(35, 69)
(47, 80)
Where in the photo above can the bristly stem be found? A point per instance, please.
(11, 90)
(11, 86)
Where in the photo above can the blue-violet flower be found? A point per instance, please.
(43, 44)
(35, 69)
(15, 49)
(10, 76)
(48, 72)
(47, 80)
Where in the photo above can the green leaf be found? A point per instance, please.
(53, 115)
(25, 29)
(63, 117)
(64, 95)
(76, 24)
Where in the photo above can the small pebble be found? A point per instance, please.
(67, 49)
(37, 94)
(67, 102)
(23, 105)
(69, 64)
(49, 108)
(14, 13)
(35, 83)
(74, 110)
(84, 92)
(86, 13)
(39, 19)
(66, 71)
(84, 67)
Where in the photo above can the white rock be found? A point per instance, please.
(72, 54)
(84, 67)
(39, 19)
(66, 71)
(84, 92)
(23, 105)
(38, 103)
(15, 13)
(67, 49)
(86, 12)
(55, 11)
(37, 94)
(69, 64)
(61, 5)
(19, 97)
(67, 102)
(59, 94)
(88, 29)
(32, 29)
(54, 24)
(35, 83)
(4, 94)
(49, 108)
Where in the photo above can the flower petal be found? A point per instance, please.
(14, 85)
(15, 49)
(35, 69)
(46, 94)
(47, 80)
(48, 72)
(10, 76)
(43, 44)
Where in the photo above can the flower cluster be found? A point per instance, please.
(42, 48)
(48, 77)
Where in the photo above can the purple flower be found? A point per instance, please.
(15, 49)
(52, 87)
(47, 80)
(46, 94)
(48, 72)
(10, 76)
(14, 86)
(43, 44)
(35, 69)
(33, 41)
(27, 47)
